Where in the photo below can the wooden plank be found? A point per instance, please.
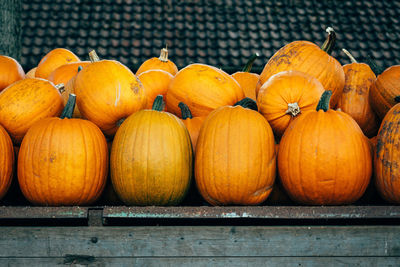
(27, 212)
(206, 262)
(205, 241)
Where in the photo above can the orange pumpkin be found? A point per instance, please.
(287, 95)
(31, 73)
(69, 89)
(10, 71)
(151, 158)
(107, 92)
(387, 157)
(54, 59)
(247, 80)
(155, 82)
(235, 156)
(6, 162)
(307, 57)
(193, 124)
(203, 88)
(160, 63)
(324, 158)
(27, 101)
(355, 97)
(65, 72)
(63, 161)
(384, 90)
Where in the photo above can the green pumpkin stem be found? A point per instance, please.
(324, 101)
(397, 99)
(249, 64)
(329, 43)
(247, 103)
(93, 56)
(350, 56)
(79, 68)
(69, 107)
(158, 103)
(186, 114)
(374, 66)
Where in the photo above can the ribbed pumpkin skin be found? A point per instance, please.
(324, 159)
(155, 82)
(203, 88)
(156, 64)
(65, 72)
(235, 157)
(63, 162)
(6, 162)
(383, 91)
(10, 71)
(355, 97)
(307, 57)
(106, 92)
(25, 102)
(151, 159)
(54, 59)
(248, 81)
(387, 157)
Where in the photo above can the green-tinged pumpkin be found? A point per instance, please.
(6, 162)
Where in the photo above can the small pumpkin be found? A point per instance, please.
(6, 162)
(10, 71)
(286, 96)
(151, 158)
(63, 161)
(160, 63)
(235, 156)
(307, 57)
(31, 73)
(324, 158)
(355, 97)
(247, 80)
(155, 82)
(66, 72)
(54, 59)
(193, 124)
(27, 101)
(203, 88)
(69, 89)
(107, 92)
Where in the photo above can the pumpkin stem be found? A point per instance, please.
(60, 87)
(329, 43)
(324, 101)
(374, 66)
(79, 68)
(164, 54)
(293, 109)
(249, 64)
(397, 99)
(350, 56)
(186, 114)
(158, 103)
(69, 107)
(93, 56)
(247, 103)
(120, 121)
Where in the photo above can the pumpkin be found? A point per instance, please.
(235, 156)
(27, 101)
(247, 80)
(107, 92)
(193, 124)
(203, 88)
(6, 162)
(160, 63)
(63, 161)
(69, 89)
(151, 158)
(66, 72)
(286, 96)
(31, 73)
(387, 157)
(10, 71)
(324, 158)
(384, 90)
(54, 59)
(307, 57)
(355, 97)
(155, 82)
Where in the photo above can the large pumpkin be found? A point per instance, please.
(63, 161)
(286, 96)
(203, 88)
(387, 157)
(235, 157)
(160, 63)
(307, 57)
(107, 92)
(151, 158)
(54, 59)
(10, 71)
(155, 82)
(324, 158)
(248, 81)
(27, 101)
(6, 162)
(193, 124)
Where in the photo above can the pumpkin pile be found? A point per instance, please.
(298, 131)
